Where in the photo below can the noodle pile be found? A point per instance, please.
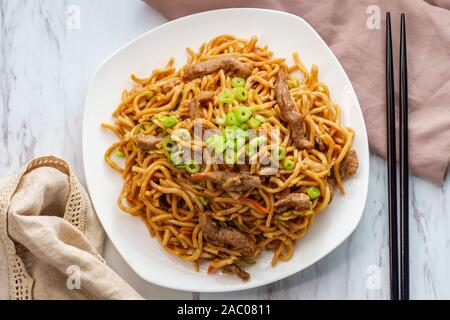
(170, 203)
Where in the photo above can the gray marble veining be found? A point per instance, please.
(50, 49)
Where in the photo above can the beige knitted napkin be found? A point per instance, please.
(50, 238)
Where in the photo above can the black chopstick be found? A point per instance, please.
(391, 164)
(404, 168)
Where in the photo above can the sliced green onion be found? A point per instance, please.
(230, 143)
(288, 164)
(235, 133)
(220, 148)
(231, 119)
(241, 94)
(228, 132)
(242, 113)
(120, 153)
(191, 166)
(202, 200)
(216, 141)
(168, 144)
(169, 122)
(235, 143)
(182, 134)
(281, 153)
(244, 126)
(257, 142)
(220, 121)
(241, 133)
(254, 144)
(211, 141)
(226, 97)
(313, 193)
(230, 157)
(238, 82)
(247, 151)
(177, 159)
(240, 142)
(253, 123)
(260, 118)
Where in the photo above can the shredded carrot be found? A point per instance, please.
(256, 205)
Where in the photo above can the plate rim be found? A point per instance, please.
(248, 285)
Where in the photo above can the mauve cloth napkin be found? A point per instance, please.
(50, 238)
(343, 24)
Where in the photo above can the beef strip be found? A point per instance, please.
(349, 164)
(234, 269)
(195, 104)
(293, 201)
(210, 66)
(232, 237)
(290, 113)
(229, 181)
(348, 167)
(147, 141)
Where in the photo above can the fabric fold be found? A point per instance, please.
(51, 238)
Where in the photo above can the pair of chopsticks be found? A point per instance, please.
(399, 284)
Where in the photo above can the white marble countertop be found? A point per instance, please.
(46, 62)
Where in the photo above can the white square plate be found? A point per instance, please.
(284, 33)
